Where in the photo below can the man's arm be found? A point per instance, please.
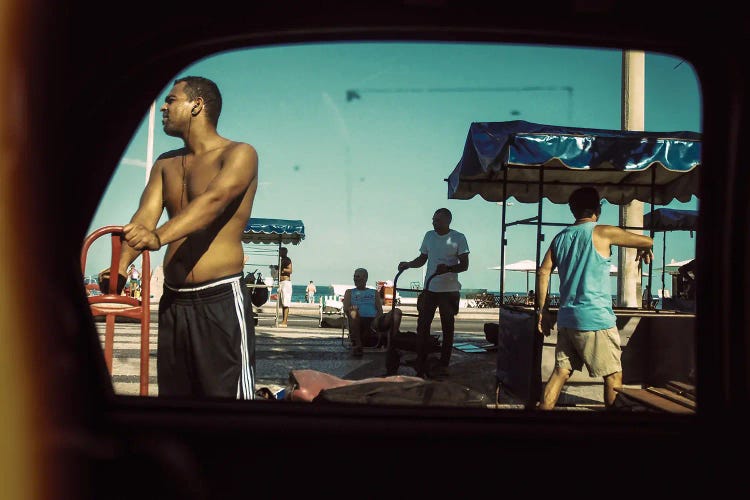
(417, 262)
(379, 304)
(149, 211)
(613, 235)
(239, 171)
(347, 301)
(542, 288)
(463, 265)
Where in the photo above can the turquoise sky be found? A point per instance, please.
(366, 175)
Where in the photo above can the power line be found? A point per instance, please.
(355, 94)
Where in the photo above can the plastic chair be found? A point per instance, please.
(111, 304)
(330, 308)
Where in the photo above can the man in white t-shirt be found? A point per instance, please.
(446, 253)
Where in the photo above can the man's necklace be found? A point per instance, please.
(184, 181)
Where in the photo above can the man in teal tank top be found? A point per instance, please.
(586, 328)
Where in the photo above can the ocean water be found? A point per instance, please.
(298, 292)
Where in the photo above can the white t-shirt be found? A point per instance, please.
(443, 250)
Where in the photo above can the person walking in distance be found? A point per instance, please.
(311, 292)
(206, 338)
(285, 286)
(446, 253)
(586, 327)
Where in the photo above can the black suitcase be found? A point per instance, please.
(519, 355)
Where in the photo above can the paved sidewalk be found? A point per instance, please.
(304, 345)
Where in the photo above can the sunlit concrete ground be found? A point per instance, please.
(305, 345)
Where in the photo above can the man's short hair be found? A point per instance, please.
(362, 269)
(198, 86)
(584, 202)
(445, 212)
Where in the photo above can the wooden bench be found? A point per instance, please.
(675, 397)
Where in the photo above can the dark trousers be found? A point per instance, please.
(447, 303)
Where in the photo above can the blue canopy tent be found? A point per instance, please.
(274, 231)
(669, 219)
(531, 161)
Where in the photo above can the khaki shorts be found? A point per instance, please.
(599, 350)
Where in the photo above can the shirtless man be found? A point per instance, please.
(206, 342)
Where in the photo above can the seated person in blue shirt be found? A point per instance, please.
(364, 310)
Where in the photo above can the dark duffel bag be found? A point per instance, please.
(259, 293)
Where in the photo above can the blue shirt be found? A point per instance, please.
(365, 301)
(585, 292)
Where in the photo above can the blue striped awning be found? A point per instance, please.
(670, 219)
(529, 161)
(276, 231)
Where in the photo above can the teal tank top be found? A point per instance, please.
(585, 291)
(365, 302)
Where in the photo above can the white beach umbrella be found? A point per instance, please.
(528, 266)
(674, 266)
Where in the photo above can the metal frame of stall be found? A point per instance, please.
(539, 222)
(625, 168)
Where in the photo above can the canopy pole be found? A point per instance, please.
(650, 289)
(535, 371)
(540, 235)
(503, 241)
(278, 283)
(663, 266)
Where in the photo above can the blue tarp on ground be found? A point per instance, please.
(276, 231)
(529, 161)
(670, 219)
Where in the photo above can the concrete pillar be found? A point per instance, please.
(631, 214)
